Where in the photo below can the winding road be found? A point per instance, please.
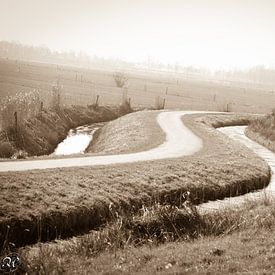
(170, 123)
(173, 147)
(237, 133)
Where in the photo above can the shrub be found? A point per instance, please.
(6, 150)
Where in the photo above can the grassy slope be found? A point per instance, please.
(131, 133)
(41, 134)
(262, 130)
(229, 241)
(63, 202)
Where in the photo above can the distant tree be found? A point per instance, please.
(120, 79)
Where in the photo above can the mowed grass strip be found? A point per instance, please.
(43, 205)
(131, 133)
(166, 239)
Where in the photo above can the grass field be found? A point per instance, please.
(81, 86)
(42, 205)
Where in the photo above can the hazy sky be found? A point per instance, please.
(212, 33)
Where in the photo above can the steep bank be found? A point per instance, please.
(262, 130)
(41, 134)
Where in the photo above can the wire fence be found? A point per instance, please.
(26, 104)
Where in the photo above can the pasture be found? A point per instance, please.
(145, 89)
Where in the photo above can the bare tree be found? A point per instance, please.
(120, 79)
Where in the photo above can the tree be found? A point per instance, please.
(120, 79)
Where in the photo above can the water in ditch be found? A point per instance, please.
(77, 140)
(237, 133)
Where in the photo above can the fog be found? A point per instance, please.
(215, 34)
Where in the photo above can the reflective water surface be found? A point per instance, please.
(77, 141)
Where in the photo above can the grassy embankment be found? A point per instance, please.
(42, 205)
(167, 240)
(128, 134)
(41, 134)
(262, 130)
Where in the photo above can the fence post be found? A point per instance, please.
(97, 99)
(129, 101)
(227, 107)
(41, 108)
(16, 124)
(158, 102)
(163, 103)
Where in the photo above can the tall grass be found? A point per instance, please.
(262, 130)
(26, 105)
(151, 226)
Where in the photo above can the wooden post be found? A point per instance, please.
(129, 101)
(97, 99)
(16, 124)
(41, 108)
(163, 103)
(157, 102)
(124, 96)
(58, 99)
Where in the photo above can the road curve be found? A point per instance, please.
(237, 133)
(180, 141)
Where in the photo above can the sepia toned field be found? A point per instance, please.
(145, 89)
